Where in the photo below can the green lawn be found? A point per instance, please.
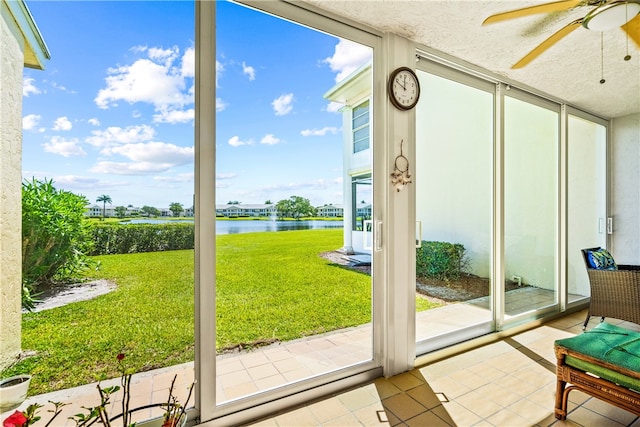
(269, 286)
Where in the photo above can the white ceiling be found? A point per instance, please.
(570, 70)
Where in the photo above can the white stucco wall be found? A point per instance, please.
(11, 66)
(625, 189)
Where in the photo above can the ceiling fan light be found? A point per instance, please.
(611, 15)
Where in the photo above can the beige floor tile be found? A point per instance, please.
(508, 418)
(240, 390)
(372, 415)
(427, 419)
(254, 359)
(262, 371)
(425, 396)
(451, 388)
(329, 409)
(385, 388)
(531, 410)
(299, 418)
(358, 398)
(406, 381)
(270, 382)
(610, 411)
(234, 378)
(469, 379)
(460, 415)
(479, 404)
(403, 406)
(347, 420)
(586, 417)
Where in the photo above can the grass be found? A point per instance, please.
(269, 286)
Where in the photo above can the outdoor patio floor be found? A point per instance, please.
(507, 383)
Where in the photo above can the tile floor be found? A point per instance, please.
(507, 383)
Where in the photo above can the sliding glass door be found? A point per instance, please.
(454, 198)
(531, 216)
(586, 196)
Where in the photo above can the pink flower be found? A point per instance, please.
(17, 419)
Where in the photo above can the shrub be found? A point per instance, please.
(440, 260)
(112, 238)
(55, 235)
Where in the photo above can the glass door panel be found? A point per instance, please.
(454, 170)
(587, 160)
(291, 304)
(531, 135)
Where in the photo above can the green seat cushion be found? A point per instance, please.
(602, 372)
(609, 343)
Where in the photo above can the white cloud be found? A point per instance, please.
(347, 57)
(62, 123)
(94, 121)
(60, 87)
(28, 87)
(188, 63)
(182, 177)
(116, 135)
(30, 121)
(160, 153)
(334, 107)
(282, 104)
(174, 116)
(128, 168)
(235, 141)
(220, 104)
(77, 181)
(166, 56)
(249, 71)
(270, 139)
(219, 70)
(159, 80)
(320, 132)
(223, 176)
(64, 147)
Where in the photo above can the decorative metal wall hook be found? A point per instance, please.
(400, 175)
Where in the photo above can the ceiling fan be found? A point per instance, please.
(605, 15)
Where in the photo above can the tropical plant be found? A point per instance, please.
(176, 208)
(295, 207)
(121, 211)
(150, 210)
(441, 260)
(104, 199)
(174, 411)
(55, 235)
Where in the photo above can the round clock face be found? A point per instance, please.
(404, 88)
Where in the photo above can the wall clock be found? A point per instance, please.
(403, 88)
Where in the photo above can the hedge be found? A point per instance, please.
(132, 238)
(440, 260)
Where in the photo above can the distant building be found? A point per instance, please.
(330, 211)
(258, 210)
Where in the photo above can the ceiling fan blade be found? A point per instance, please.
(542, 47)
(632, 28)
(555, 6)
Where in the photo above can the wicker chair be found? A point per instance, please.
(614, 293)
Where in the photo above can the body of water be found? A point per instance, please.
(253, 226)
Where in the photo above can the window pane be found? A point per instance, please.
(530, 205)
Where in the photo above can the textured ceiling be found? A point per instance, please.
(570, 70)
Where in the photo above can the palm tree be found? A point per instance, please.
(104, 199)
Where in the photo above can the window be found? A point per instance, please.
(360, 126)
(361, 201)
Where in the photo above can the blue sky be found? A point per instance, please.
(112, 113)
